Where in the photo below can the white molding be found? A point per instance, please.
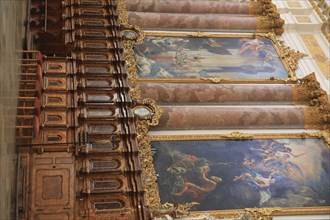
(303, 217)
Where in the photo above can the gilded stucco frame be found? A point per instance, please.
(256, 212)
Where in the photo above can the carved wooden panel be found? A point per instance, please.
(52, 186)
(111, 147)
(55, 66)
(97, 82)
(95, 33)
(97, 96)
(95, 22)
(57, 83)
(99, 56)
(90, 2)
(99, 128)
(57, 136)
(93, 11)
(99, 45)
(95, 164)
(99, 112)
(59, 118)
(97, 70)
(118, 206)
(57, 100)
(103, 183)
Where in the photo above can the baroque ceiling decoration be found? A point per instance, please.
(315, 96)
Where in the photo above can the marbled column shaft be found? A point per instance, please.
(191, 21)
(216, 117)
(192, 7)
(234, 94)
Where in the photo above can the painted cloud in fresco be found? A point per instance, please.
(234, 174)
(231, 57)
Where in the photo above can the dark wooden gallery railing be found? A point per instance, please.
(84, 164)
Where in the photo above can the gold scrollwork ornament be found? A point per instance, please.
(257, 214)
(173, 210)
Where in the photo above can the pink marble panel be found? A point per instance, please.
(191, 21)
(188, 93)
(211, 118)
(192, 7)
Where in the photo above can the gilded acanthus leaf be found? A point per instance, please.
(238, 135)
(289, 56)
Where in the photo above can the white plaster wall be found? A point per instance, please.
(303, 217)
(292, 38)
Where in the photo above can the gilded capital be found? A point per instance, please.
(317, 117)
(261, 8)
(309, 92)
(270, 22)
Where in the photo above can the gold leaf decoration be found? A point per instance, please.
(257, 214)
(238, 135)
(197, 34)
(173, 210)
(149, 177)
(213, 80)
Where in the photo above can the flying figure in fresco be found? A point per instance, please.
(282, 161)
(191, 176)
(267, 165)
(261, 183)
(208, 184)
(257, 48)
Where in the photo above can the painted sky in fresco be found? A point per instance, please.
(187, 57)
(234, 174)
